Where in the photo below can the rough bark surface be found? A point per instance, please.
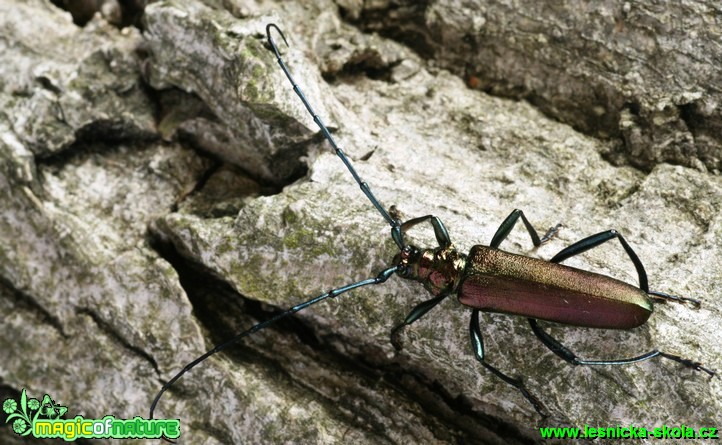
(644, 74)
(162, 188)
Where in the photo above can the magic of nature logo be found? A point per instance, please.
(42, 419)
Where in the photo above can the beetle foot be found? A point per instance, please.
(538, 405)
(711, 372)
(697, 366)
(396, 337)
(663, 297)
(551, 233)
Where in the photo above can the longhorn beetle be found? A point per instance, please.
(491, 280)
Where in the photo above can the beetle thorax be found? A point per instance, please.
(439, 270)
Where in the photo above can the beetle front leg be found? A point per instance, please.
(477, 344)
(442, 235)
(503, 231)
(417, 312)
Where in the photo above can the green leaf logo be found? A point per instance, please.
(24, 414)
(19, 414)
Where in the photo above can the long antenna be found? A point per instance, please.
(380, 278)
(395, 225)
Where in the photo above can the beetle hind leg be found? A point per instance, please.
(602, 237)
(568, 356)
(477, 344)
(593, 241)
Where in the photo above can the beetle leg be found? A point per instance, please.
(569, 356)
(664, 297)
(503, 231)
(442, 235)
(477, 344)
(417, 312)
(563, 352)
(600, 238)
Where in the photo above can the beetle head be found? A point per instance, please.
(406, 260)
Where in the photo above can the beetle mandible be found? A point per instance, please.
(491, 280)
